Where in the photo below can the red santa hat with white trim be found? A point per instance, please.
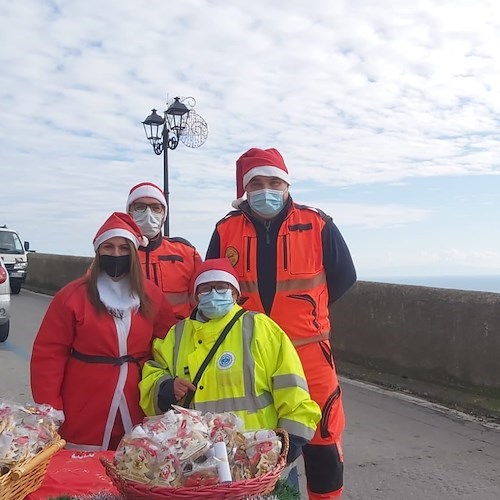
(120, 224)
(215, 270)
(255, 161)
(146, 190)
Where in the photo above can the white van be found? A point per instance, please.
(15, 257)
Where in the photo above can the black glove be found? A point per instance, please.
(295, 448)
(166, 396)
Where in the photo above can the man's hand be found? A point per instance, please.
(181, 387)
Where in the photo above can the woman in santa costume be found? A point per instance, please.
(95, 337)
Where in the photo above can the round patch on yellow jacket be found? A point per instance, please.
(226, 360)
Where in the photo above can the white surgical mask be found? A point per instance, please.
(149, 222)
(266, 202)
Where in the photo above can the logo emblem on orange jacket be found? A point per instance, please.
(233, 255)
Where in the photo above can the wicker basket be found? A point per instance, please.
(28, 475)
(237, 490)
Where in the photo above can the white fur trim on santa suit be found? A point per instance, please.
(146, 191)
(216, 275)
(124, 234)
(118, 296)
(266, 171)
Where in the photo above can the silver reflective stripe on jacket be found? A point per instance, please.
(296, 428)
(289, 381)
(178, 329)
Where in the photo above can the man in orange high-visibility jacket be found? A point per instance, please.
(292, 263)
(169, 262)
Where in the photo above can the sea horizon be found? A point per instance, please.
(477, 283)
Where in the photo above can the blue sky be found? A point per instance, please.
(386, 114)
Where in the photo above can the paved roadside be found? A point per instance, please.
(482, 404)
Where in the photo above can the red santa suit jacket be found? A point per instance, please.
(92, 394)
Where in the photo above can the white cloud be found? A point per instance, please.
(444, 262)
(352, 96)
(373, 216)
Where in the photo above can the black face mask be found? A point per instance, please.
(113, 265)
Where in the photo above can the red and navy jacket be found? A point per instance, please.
(291, 267)
(170, 263)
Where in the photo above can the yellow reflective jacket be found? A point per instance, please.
(255, 373)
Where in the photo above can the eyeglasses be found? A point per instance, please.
(157, 208)
(206, 288)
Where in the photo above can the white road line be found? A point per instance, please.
(40, 294)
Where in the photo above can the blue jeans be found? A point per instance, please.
(293, 477)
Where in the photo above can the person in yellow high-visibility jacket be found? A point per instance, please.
(255, 372)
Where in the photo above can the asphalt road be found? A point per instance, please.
(396, 447)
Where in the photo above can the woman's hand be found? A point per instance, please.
(181, 387)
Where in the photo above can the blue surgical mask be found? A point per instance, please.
(266, 202)
(215, 305)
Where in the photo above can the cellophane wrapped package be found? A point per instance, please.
(25, 430)
(178, 449)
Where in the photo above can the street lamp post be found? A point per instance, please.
(180, 123)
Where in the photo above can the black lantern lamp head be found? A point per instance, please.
(152, 126)
(178, 124)
(177, 115)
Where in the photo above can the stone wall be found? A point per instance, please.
(439, 335)
(448, 337)
(48, 273)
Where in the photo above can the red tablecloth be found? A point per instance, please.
(75, 473)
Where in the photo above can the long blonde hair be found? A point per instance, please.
(137, 282)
